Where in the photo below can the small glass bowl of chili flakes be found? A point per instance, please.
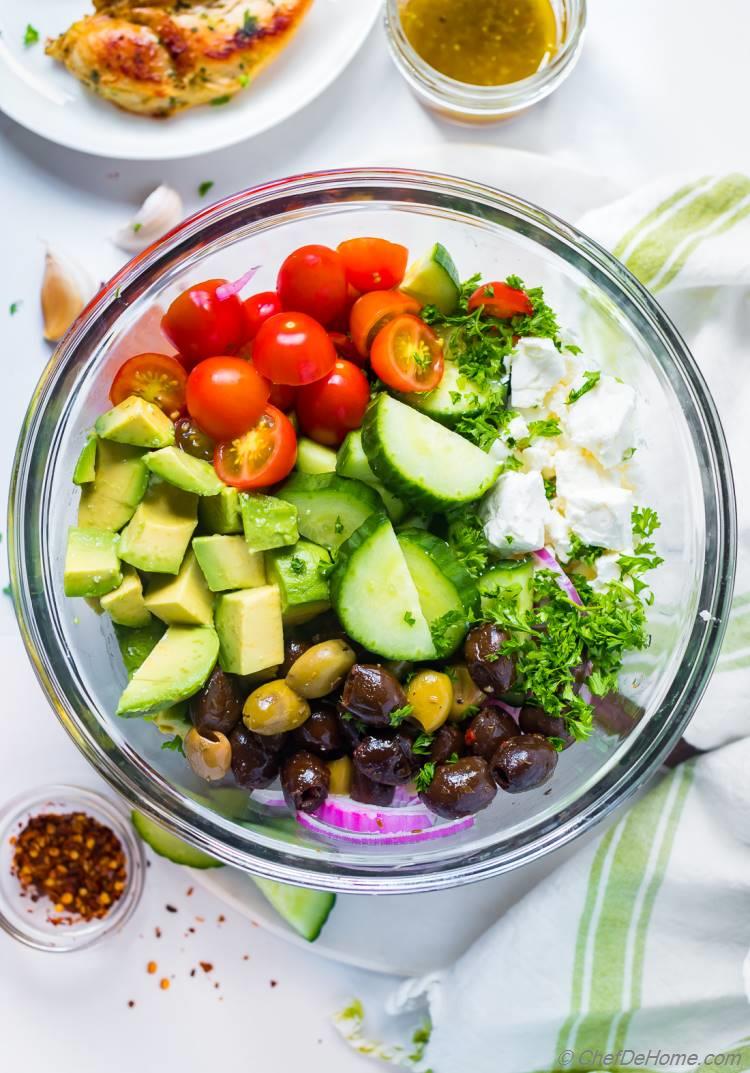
(71, 868)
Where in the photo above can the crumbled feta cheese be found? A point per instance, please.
(500, 450)
(517, 428)
(538, 456)
(603, 421)
(515, 512)
(596, 509)
(537, 366)
(558, 536)
(607, 570)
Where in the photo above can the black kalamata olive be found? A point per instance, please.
(321, 734)
(399, 668)
(460, 789)
(371, 693)
(218, 706)
(616, 714)
(305, 779)
(255, 757)
(493, 673)
(292, 651)
(523, 763)
(536, 721)
(582, 670)
(383, 760)
(406, 740)
(369, 792)
(352, 729)
(487, 729)
(448, 741)
(193, 440)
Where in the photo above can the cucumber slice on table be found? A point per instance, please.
(433, 280)
(448, 594)
(420, 460)
(170, 846)
(351, 461)
(454, 397)
(329, 508)
(513, 574)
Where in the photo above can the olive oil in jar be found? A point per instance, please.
(490, 43)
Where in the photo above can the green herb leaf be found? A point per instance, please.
(249, 25)
(174, 744)
(444, 626)
(349, 717)
(204, 187)
(338, 524)
(14, 307)
(466, 538)
(422, 745)
(550, 487)
(452, 759)
(628, 453)
(425, 775)
(409, 618)
(218, 101)
(398, 715)
(558, 744)
(137, 227)
(590, 380)
(297, 566)
(243, 80)
(550, 426)
(583, 553)
(31, 35)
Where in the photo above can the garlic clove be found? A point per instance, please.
(66, 288)
(160, 212)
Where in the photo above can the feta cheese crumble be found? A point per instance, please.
(603, 421)
(596, 508)
(537, 366)
(515, 512)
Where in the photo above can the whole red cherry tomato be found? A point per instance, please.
(345, 348)
(501, 301)
(373, 264)
(282, 396)
(158, 378)
(263, 456)
(292, 348)
(226, 396)
(258, 308)
(200, 324)
(312, 280)
(333, 406)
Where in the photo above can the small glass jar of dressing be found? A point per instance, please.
(478, 63)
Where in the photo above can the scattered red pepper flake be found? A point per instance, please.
(151, 968)
(171, 908)
(206, 966)
(192, 972)
(131, 1004)
(189, 891)
(201, 920)
(216, 986)
(157, 933)
(164, 984)
(274, 983)
(221, 918)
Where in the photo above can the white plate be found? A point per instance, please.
(41, 95)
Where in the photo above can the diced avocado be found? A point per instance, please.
(136, 645)
(182, 470)
(302, 583)
(125, 603)
(137, 422)
(221, 513)
(95, 604)
(85, 468)
(313, 457)
(109, 501)
(268, 522)
(227, 563)
(433, 280)
(178, 667)
(159, 532)
(351, 462)
(185, 600)
(92, 566)
(172, 721)
(250, 631)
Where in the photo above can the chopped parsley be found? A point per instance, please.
(550, 487)
(442, 627)
(558, 744)
(425, 775)
(583, 553)
(550, 426)
(244, 81)
(422, 745)
(297, 566)
(644, 522)
(13, 308)
(218, 101)
(31, 35)
(409, 619)
(174, 745)
(249, 25)
(398, 715)
(466, 538)
(452, 759)
(137, 227)
(349, 717)
(590, 380)
(204, 187)
(338, 526)
(628, 453)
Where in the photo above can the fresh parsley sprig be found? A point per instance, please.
(590, 380)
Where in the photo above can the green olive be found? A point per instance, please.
(430, 694)
(209, 754)
(274, 708)
(321, 668)
(466, 693)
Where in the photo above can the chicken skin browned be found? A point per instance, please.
(158, 57)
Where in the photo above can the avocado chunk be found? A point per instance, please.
(85, 468)
(136, 644)
(137, 422)
(227, 563)
(250, 631)
(120, 482)
(173, 721)
(299, 572)
(268, 522)
(92, 566)
(221, 513)
(182, 470)
(177, 667)
(184, 600)
(125, 603)
(159, 532)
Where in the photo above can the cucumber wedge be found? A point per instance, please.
(329, 508)
(514, 574)
(433, 280)
(304, 910)
(170, 846)
(448, 594)
(454, 397)
(419, 460)
(313, 457)
(375, 597)
(351, 461)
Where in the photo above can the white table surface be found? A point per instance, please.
(660, 87)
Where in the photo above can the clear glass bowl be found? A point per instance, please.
(685, 475)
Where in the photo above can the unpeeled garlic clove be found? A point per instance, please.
(160, 212)
(65, 291)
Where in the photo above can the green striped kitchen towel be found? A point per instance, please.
(634, 953)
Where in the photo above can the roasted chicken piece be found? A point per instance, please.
(159, 57)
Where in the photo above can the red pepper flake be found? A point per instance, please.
(201, 920)
(171, 908)
(189, 891)
(131, 1004)
(216, 986)
(157, 933)
(206, 966)
(221, 918)
(191, 930)
(164, 984)
(151, 968)
(274, 983)
(192, 972)
(245, 957)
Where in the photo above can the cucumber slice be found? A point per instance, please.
(433, 280)
(305, 910)
(375, 597)
(351, 461)
(448, 594)
(454, 397)
(329, 508)
(313, 457)
(515, 574)
(170, 846)
(420, 460)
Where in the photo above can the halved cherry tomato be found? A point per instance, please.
(282, 396)
(258, 308)
(226, 396)
(345, 348)
(501, 301)
(372, 311)
(373, 264)
(333, 406)
(200, 324)
(312, 280)
(263, 456)
(158, 378)
(292, 348)
(407, 355)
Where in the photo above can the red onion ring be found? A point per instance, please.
(382, 838)
(513, 712)
(346, 815)
(228, 290)
(269, 798)
(546, 558)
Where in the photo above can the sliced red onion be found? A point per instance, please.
(585, 693)
(269, 798)
(513, 712)
(385, 838)
(347, 815)
(546, 558)
(227, 290)
(404, 795)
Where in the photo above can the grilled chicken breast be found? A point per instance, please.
(158, 57)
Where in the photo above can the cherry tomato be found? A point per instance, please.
(312, 280)
(200, 324)
(158, 378)
(501, 301)
(193, 440)
(373, 264)
(407, 355)
(282, 396)
(372, 311)
(263, 456)
(226, 396)
(292, 348)
(345, 348)
(333, 406)
(258, 308)
(341, 323)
